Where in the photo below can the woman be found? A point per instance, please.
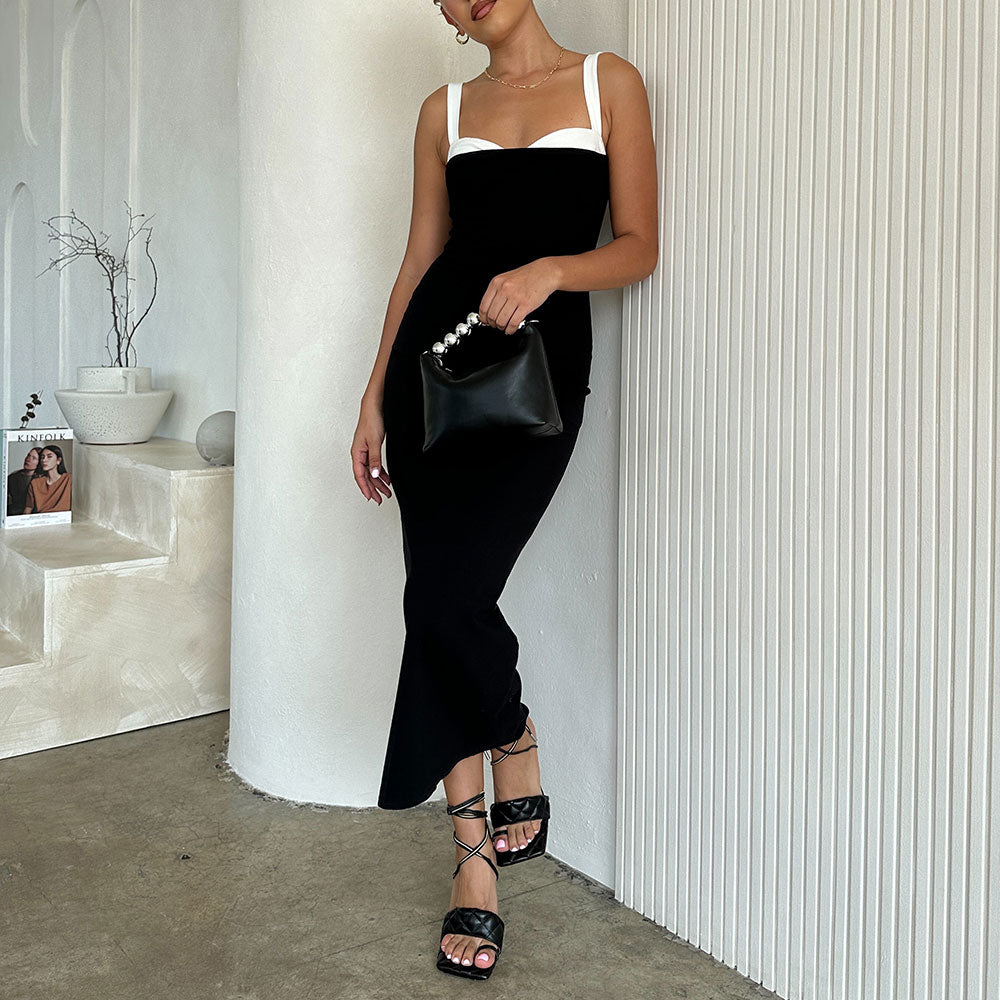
(52, 488)
(19, 480)
(513, 172)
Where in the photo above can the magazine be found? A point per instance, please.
(37, 468)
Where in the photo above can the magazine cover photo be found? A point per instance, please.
(38, 472)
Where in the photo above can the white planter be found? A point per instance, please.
(113, 405)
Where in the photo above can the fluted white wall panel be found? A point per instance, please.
(808, 715)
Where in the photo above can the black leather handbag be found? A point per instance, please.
(498, 381)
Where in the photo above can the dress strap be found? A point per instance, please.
(592, 92)
(454, 106)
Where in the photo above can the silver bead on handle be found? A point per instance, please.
(441, 346)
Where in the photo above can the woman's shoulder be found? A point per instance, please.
(616, 72)
(620, 83)
(435, 101)
(433, 111)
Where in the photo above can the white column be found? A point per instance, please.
(808, 723)
(328, 102)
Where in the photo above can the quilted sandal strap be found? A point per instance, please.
(506, 753)
(463, 811)
(475, 922)
(519, 810)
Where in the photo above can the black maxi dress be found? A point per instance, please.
(468, 508)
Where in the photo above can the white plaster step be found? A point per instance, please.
(84, 546)
(134, 488)
(125, 613)
(33, 560)
(14, 653)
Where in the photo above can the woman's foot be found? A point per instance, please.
(474, 885)
(514, 777)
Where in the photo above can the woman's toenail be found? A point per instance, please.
(501, 843)
(465, 961)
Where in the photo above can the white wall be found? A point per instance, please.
(186, 150)
(809, 721)
(324, 179)
(94, 113)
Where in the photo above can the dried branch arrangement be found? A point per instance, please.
(36, 400)
(76, 244)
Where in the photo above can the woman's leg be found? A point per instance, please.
(514, 777)
(475, 884)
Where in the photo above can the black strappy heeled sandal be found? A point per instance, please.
(529, 807)
(472, 920)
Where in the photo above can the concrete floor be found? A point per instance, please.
(139, 867)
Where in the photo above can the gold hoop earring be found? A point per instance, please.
(459, 37)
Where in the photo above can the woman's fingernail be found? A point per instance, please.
(375, 472)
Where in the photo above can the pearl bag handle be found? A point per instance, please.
(462, 329)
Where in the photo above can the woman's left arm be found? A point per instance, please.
(633, 253)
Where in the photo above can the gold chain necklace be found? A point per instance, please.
(529, 86)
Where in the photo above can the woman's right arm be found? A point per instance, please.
(429, 225)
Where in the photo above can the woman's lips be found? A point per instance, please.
(480, 10)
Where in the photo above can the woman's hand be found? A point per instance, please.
(512, 295)
(366, 453)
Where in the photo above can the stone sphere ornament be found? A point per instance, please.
(216, 438)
